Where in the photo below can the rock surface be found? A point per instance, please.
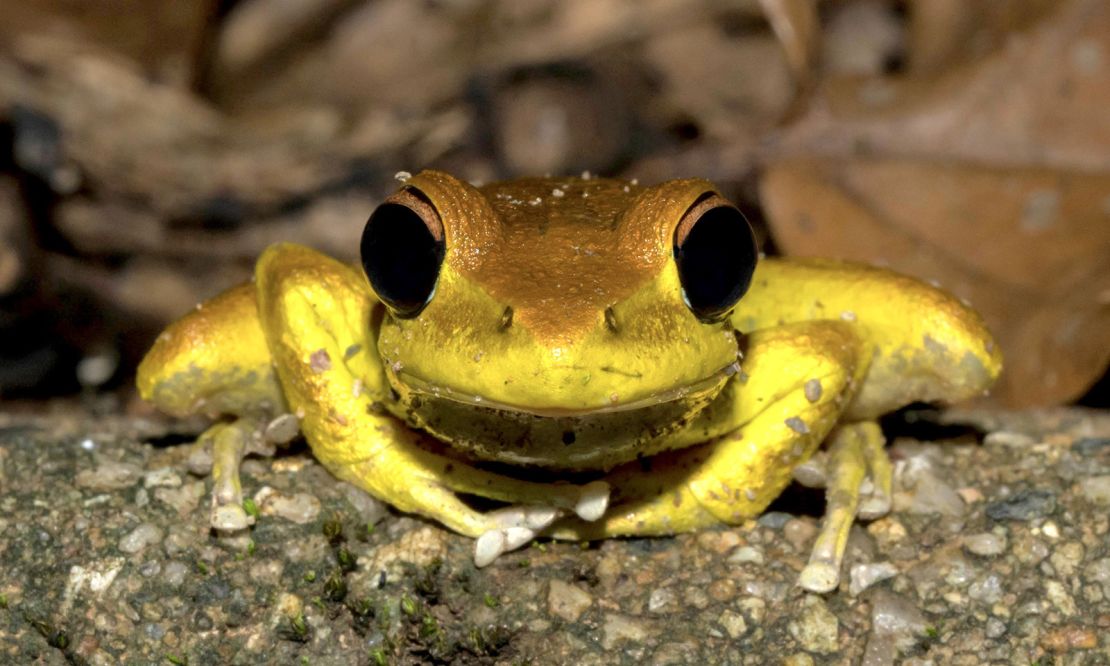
(107, 558)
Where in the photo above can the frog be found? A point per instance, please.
(570, 358)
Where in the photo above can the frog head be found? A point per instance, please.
(554, 313)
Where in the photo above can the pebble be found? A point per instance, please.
(985, 544)
(174, 573)
(995, 628)
(618, 628)
(184, 499)
(1096, 489)
(896, 624)
(864, 576)
(1060, 598)
(109, 475)
(163, 477)
(774, 520)
(300, 508)
(800, 533)
(1007, 438)
(733, 623)
(1023, 505)
(418, 547)
(139, 538)
(660, 598)
(987, 590)
(746, 554)
(370, 509)
(567, 601)
(1091, 446)
(816, 628)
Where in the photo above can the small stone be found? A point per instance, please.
(988, 590)
(798, 659)
(1096, 489)
(774, 520)
(746, 554)
(660, 599)
(733, 623)
(567, 601)
(929, 493)
(282, 429)
(109, 475)
(985, 544)
(864, 576)
(896, 624)
(799, 533)
(816, 628)
(183, 499)
(174, 573)
(1023, 505)
(1091, 446)
(370, 509)
(419, 548)
(619, 628)
(995, 628)
(1060, 598)
(1066, 639)
(300, 508)
(163, 477)
(139, 538)
(1007, 438)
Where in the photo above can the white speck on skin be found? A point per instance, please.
(813, 390)
(796, 424)
(319, 361)
(356, 389)
(557, 193)
(848, 315)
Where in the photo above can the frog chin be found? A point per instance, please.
(557, 439)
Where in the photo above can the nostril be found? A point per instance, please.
(611, 320)
(569, 437)
(506, 319)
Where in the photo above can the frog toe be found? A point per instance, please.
(593, 501)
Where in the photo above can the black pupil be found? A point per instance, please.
(401, 258)
(716, 261)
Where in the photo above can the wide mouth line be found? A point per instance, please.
(423, 387)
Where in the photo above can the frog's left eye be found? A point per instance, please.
(402, 250)
(715, 252)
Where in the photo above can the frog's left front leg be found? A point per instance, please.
(315, 313)
(798, 379)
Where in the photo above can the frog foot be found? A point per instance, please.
(516, 526)
(223, 447)
(858, 484)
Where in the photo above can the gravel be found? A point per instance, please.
(327, 575)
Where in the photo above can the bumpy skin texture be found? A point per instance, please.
(631, 385)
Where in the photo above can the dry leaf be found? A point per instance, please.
(993, 179)
(1027, 247)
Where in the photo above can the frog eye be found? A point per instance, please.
(715, 252)
(402, 250)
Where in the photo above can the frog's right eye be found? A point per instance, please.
(402, 250)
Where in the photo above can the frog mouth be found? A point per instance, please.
(422, 388)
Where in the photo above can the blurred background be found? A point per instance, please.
(150, 149)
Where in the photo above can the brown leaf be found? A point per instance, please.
(1027, 247)
(796, 25)
(993, 179)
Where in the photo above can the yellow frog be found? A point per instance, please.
(605, 359)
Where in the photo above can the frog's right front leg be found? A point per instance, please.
(315, 313)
